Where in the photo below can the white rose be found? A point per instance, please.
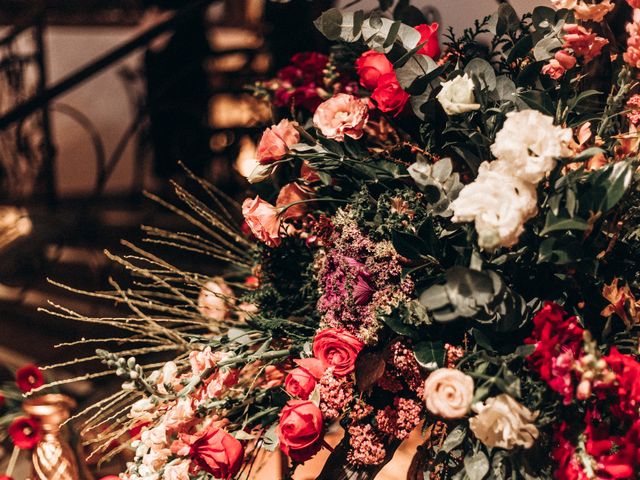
(531, 143)
(448, 393)
(504, 423)
(457, 96)
(498, 202)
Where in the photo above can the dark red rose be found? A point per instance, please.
(558, 340)
(1, 400)
(300, 383)
(29, 377)
(300, 429)
(25, 432)
(312, 65)
(290, 74)
(389, 96)
(213, 450)
(429, 34)
(370, 66)
(338, 349)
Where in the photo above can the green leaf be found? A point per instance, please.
(555, 224)
(407, 245)
(476, 465)
(430, 354)
(545, 48)
(395, 323)
(543, 16)
(538, 100)
(270, 438)
(608, 186)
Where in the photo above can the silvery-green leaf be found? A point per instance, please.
(454, 439)
(476, 465)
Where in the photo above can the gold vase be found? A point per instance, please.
(52, 458)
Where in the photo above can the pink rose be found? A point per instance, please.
(429, 34)
(338, 349)
(215, 300)
(370, 66)
(300, 429)
(389, 96)
(292, 193)
(276, 141)
(341, 115)
(300, 383)
(263, 219)
(583, 41)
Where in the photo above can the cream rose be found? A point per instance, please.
(504, 423)
(448, 393)
(457, 96)
(341, 115)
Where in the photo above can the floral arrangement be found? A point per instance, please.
(445, 238)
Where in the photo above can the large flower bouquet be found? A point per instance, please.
(441, 241)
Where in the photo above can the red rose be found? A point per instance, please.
(338, 349)
(429, 34)
(214, 451)
(25, 432)
(300, 429)
(29, 377)
(1, 400)
(300, 383)
(370, 66)
(5, 477)
(627, 371)
(389, 96)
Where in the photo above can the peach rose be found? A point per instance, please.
(448, 393)
(177, 470)
(341, 115)
(263, 219)
(504, 423)
(276, 141)
(215, 300)
(292, 193)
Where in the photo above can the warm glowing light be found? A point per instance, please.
(246, 160)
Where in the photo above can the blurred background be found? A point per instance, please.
(99, 100)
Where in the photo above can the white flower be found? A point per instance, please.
(177, 470)
(457, 96)
(498, 202)
(142, 410)
(260, 172)
(504, 423)
(530, 142)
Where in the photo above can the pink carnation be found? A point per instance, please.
(341, 115)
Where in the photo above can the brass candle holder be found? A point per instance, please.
(53, 458)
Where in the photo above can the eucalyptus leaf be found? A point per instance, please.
(430, 354)
(454, 439)
(476, 465)
(483, 71)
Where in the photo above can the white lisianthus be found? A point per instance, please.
(498, 202)
(457, 96)
(504, 423)
(260, 172)
(531, 143)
